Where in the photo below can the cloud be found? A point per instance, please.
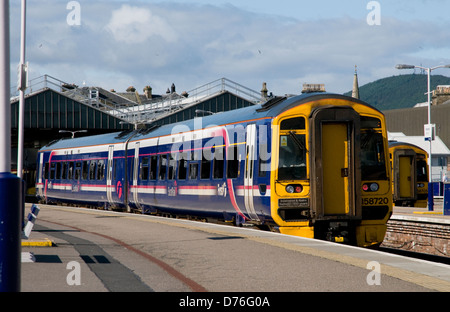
(119, 44)
(132, 24)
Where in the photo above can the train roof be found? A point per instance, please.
(269, 109)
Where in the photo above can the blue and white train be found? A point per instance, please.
(314, 165)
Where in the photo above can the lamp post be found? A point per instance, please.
(428, 126)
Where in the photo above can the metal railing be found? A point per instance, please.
(131, 111)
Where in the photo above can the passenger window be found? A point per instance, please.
(92, 170)
(264, 163)
(205, 167)
(144, 168)
(85, 170)
(70, 171)
(182, 166)
(218, 164)
(64, 170)
(46, 170)
(153, 166)
(233, 162)
(162, 167)
(100, 170)
(193, 171)
(52, 171)
(172, 167)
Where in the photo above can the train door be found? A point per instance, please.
(250, 149)
(335, 158)
(405, 173)
(135, 188)
(109, 174)
(334, 153)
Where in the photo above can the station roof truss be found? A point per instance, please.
(52, 103)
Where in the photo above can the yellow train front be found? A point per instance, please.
(409, 174)
(330, 176)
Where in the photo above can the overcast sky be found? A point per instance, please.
(285, 43)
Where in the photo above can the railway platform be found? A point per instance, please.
(103, 251)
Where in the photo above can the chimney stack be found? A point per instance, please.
(148, 92)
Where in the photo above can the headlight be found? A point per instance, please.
(290, 189)
(370, 187)
(294, 188)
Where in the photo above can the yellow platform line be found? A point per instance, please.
(428, 212)
(41, 243)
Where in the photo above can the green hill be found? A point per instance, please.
(399, 91)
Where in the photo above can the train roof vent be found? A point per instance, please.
(271, 103)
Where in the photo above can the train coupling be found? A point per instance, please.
(339, 232)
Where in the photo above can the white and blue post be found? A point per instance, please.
(11, 190)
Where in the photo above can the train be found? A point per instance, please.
(410, 178)
(314, 165)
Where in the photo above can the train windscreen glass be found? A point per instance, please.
(373, 166)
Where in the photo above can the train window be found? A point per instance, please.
(232, 162)
(52, 171)
(153, 166)
(292, 157)
(100, 170)
(370, 122)
(422, 166)
(373, 166)
(172, 167)
(70, 171)
(264, 164)
(293, 123)
(46, 170)
(92, 170)
(162, 167)
(144, 168)
(218, 164)
(84, 170)
(77, 174)
(193, 171)
(205, 167)
(58, 171)
(182, 166)
(64, 170)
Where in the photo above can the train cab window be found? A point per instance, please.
(182, 166)
(144, 169)
(373, 166)
(422, 166)
(295, 123)
(101, 170)
(292, 157)
(153, 166)
(218, 164)
(162, 167)
(84, 170)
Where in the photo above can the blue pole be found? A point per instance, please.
(430, 196)
(11, 194)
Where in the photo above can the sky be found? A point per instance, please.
(285, 43)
